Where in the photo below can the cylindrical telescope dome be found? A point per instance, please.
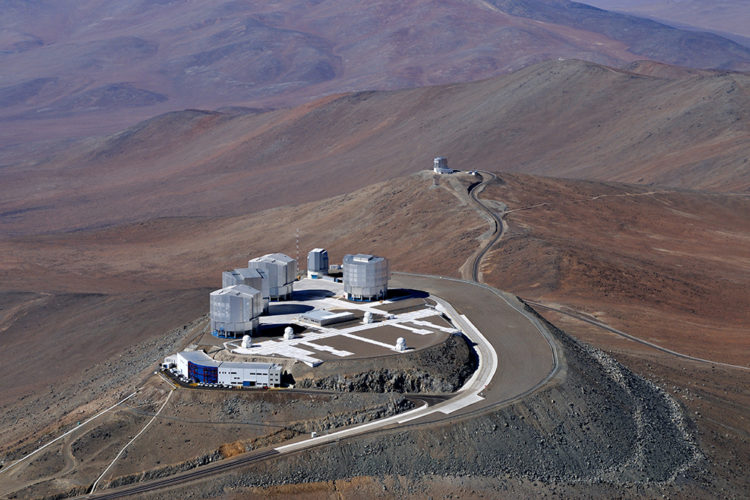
(365, 277)
(440, 165)
(235, 310)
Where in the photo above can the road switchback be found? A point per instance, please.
(527, 355)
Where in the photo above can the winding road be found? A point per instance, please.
(517, 356)
(497, 221)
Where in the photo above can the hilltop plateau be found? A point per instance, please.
(147, 147)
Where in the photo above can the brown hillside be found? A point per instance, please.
(96, 66)
(665, 265)
(562, 118)
(105, 290)
(673, 266)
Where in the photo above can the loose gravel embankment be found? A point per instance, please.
(601, 425)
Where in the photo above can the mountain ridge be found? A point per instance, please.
(684, 130)
(133, 62)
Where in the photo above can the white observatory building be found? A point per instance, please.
(235, 310)
(365, 277)
(440, 165)
(250, 277)
(317, 263)
(279, 270)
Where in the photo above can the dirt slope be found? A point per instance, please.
(727, 17)
(665, 265)
(670, 265)
(82, 67)
(562, 118)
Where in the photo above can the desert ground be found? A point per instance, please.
(556, 250)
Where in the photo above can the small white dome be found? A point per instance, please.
(401, 344)
(247, 341)
(368, 317)
(288, 333)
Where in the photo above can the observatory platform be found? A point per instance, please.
(409, 318)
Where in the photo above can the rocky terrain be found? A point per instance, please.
(600, 429)
(438, 369)
(670, 265)
(374, 214)
(196, 427)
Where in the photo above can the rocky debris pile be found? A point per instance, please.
(381, 381)
(394, 406)
(162, 472)
(442, 368)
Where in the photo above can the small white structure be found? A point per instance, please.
(365, 277)
(235, 310)
(247, 342)
(279, 270)
(400, 344)
(367, 319)
(321, 317)
(317, 263)
(440, 165)
(288, 333)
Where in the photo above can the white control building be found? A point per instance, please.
(200, 367)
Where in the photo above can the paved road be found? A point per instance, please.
(527, 357)
(497, 229)
(525, 361)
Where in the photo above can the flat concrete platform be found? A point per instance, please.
(412, 317)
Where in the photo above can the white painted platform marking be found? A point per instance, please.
(442, 328)
(413, 329)
(327, 348)
(369, 341)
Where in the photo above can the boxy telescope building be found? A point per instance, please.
(280, 271)
(235, 310)
(317, 263)
(250, 277)
(365, 277)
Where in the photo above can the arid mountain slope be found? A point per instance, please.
(671, 265)
(563, 118)
(728, 17)
(82, 67)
